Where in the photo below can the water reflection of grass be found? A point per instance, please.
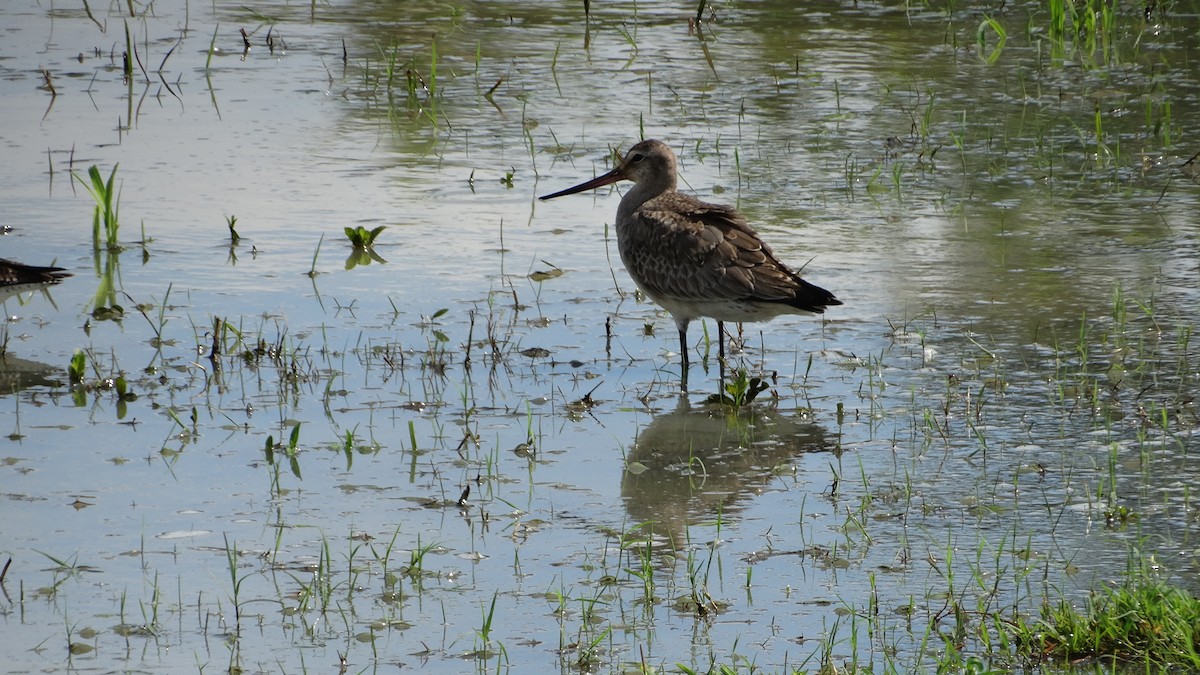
(979, 607)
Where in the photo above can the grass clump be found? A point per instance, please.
(1142, 620)
(234, 237)
(740, 390)
(105, 217)
(363, 240)
(361, 237)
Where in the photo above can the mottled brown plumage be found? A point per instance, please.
(14, 273)
(697, 259)
(18, 277)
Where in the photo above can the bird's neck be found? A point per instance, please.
(639, 194)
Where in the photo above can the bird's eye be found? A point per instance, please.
(638, 157)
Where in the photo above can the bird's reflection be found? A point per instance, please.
(689, 464)
(17, 374)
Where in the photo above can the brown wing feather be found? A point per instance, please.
(681, 247)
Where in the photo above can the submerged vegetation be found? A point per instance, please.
(460, 461)
(989, 600)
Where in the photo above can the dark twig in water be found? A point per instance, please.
(163, 64)
(136, 57)
(1163, 194)
(608, 337)
(141, 309)
(88, 9)
(50, 82)
(704, 47)
(216, 341)
(470, 338)
(491, 91)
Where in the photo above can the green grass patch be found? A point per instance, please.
(106, 222)
(1142, 620)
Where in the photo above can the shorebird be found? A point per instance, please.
(697, 259)
(17, 277)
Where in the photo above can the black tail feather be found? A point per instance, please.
(812, 298)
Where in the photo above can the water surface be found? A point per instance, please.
(1014, 241)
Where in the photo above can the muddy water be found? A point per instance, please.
(999, 411)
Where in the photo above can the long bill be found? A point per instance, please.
(599, 181)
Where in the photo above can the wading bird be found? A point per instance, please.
(16, 278)
(697, 259)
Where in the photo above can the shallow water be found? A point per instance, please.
(1001, 409)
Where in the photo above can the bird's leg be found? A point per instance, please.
(721, 355)
(683, 354)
